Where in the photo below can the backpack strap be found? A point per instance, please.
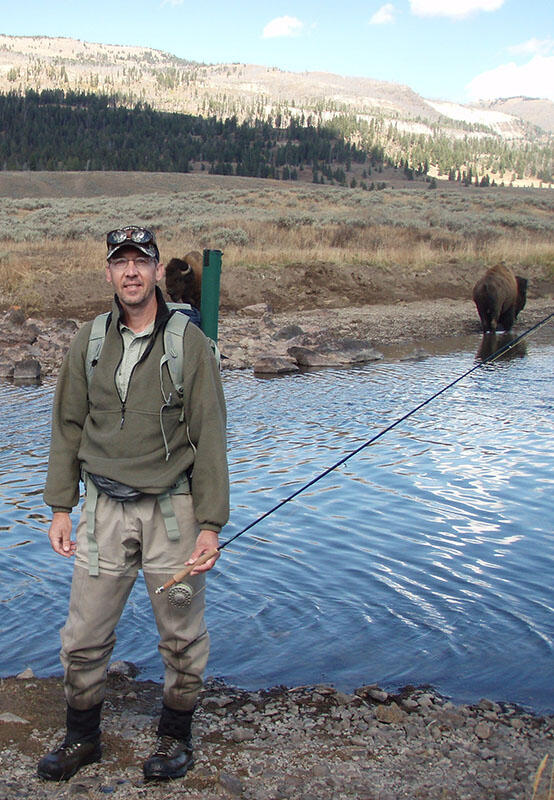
(173, 347)
(96, 342)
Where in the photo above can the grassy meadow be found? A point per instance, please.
(268, 223)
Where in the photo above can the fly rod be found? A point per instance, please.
(178, 577)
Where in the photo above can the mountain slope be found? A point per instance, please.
(172, 84)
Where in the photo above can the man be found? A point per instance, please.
(154, 465)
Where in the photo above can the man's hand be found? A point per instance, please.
(60, 534)
(206, 542)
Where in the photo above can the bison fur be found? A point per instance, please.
(183, 279)
(499, 296)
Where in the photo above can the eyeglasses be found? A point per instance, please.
(131, 233)
(123, 263)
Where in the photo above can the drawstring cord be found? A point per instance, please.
(166, 404)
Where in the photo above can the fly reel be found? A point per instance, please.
(180, 595)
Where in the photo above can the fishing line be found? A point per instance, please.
(206, 556)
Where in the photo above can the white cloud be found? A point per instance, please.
(282, 26)
(533, 79)
(172, 2)
(533, 46)
(384, 15)
(457, 9)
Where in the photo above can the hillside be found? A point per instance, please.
(169, 83)
(531, 109)
(510, 147)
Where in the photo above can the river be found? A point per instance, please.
(426, 558)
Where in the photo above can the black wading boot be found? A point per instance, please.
(81, 746)
(173, 756)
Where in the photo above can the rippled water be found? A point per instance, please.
(426, 558)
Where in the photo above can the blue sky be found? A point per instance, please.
(457, 50)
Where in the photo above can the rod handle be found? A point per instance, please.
(178, 577)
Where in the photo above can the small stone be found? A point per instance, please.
(257, 310)
(288, 332)
(426, 701)
(231, 784)
(123, 668)
(242, 735)
(379, 695)
(482, 730)
(275, 365)
(343, 699)
(86, 787)
(489, 705)
(7, 716)
(214, 701)
(15, 316)
(26, 674)
(390, 714)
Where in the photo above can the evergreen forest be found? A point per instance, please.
(74, 131)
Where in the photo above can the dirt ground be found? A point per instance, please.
(302, 287)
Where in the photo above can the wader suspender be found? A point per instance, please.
(91, 500)
(173, 356)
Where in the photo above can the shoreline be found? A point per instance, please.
(300, 742)
(275, 343)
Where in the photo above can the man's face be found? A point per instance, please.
(133, 275)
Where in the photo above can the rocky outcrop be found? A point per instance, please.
(31, 348)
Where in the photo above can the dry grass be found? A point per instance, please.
(544, 790)
(258, 224)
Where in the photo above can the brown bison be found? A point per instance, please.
(183, 279)
(499, 296)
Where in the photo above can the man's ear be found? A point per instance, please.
(108, 273)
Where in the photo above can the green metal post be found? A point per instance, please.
(209, 303)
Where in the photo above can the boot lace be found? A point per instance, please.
(165, 746)
(69, 748)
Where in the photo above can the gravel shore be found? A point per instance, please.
(306, 743)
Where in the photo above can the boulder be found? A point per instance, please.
(342, 354)
(257, 311)
(288, 332)
(274, 365)
(27, 370)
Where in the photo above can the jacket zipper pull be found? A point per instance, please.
(122, 415)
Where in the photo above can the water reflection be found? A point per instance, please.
(493, 342)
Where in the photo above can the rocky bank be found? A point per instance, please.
(306, 743)
(274, 343)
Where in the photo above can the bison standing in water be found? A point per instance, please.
(499, 296)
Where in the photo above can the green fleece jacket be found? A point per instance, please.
(95, 429)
